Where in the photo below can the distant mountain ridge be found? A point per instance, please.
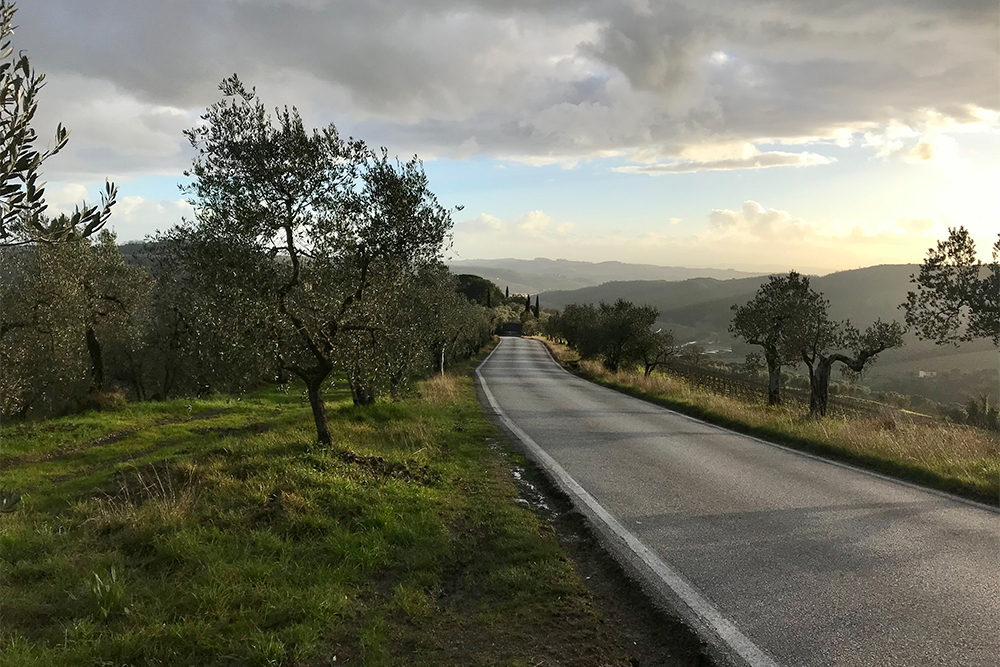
(705, 304)
(701, 309)
(545, 275)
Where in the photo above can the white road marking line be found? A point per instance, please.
(724, 629)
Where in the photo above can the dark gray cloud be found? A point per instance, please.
(512, 79)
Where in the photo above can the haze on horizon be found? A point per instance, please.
(754, 135)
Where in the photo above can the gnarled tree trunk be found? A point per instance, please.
(819, 387)
(362, 393)
(773, 379)
(96, 360)
(313, 385)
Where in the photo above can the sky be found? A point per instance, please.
(816, 135)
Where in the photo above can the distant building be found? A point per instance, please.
(926, 374)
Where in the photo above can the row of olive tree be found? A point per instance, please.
(308, 256)
(618, 334)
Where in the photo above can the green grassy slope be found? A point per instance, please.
(214, 532)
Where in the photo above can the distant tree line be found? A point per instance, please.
(620, 335)
(309, 256)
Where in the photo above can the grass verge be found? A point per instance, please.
(215, 532)
(949, 457)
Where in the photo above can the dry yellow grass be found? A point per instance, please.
(948, 456)
(440, 389)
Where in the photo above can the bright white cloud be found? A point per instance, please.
(751, 237)
(533, 223)
(756, 161)
(755, 220)
(132, 218)
(65, 198)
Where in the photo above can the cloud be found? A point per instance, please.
(751, 237)
(485, 235)
(915, 225)
(132, 218)
(553, 82)
(755, 220)
(65, 198)
(533, 223)
(756, 161)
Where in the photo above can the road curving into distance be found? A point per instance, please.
(776, 557)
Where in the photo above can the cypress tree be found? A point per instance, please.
(527, 302)
(488, 303)
(536, 306)
(507, 292)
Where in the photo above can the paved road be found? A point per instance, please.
(812, 563)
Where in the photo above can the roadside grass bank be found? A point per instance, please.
(948, 457)
(215, 532)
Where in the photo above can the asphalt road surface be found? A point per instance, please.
(801, 561)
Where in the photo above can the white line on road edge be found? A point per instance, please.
(728, 633)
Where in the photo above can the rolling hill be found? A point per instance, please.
(542, 275)
(701, 309)
(862, 295)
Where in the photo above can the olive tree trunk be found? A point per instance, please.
(313, 386)
(96, 360)
(773, 379)
(819, 387)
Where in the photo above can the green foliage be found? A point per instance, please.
(754, 364)
(770, 319)
(479, 290)
(234, 540)
(957, 298)
(618, 334)
(819, 339)
(63, 306)
(22, 195)
(790, 321)
(979, 413)
(321, 240)
(656, 350)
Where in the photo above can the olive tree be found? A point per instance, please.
(822, 343)
(957, 298)
(656, 349)
(65, 301)
(205, 327)
(769, 320)
(316, 227)
(618, 334)
(22, 194)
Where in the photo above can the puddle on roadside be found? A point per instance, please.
(535, 498)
